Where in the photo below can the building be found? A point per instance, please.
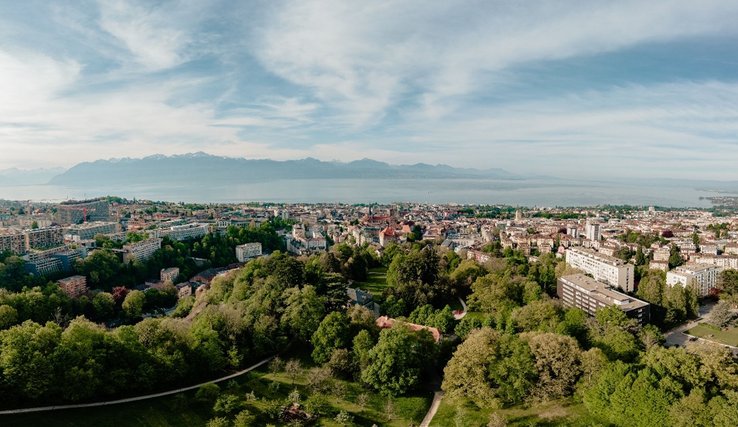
(611, 271)
(387, 235)
(592, 231)
(588, 294)
(183, 232)
(77, 212)
(52, 261)
(89, 230)
(12, 241)
(74, 286)
(168, 274)
(141, 251)
(247, 251)
(704, 277)
(43, 238)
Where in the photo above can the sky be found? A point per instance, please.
(575, 89)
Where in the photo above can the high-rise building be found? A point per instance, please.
(704, 277)
(141, 251)
(77, 212)
(584, 292)
(592, 231)
(43, 238)
(609, 270)
(12, 241)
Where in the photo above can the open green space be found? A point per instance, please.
(559, 412)
(259, 391)
(376, 281)
(713, 333)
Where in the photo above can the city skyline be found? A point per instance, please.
(574, 89)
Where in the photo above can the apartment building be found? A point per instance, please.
(89, 230)
(584, 292)
(592, 231)
(183, 232)
(611, 271)
(703, 276)
(12, 241)
(247, 251)
(43, 238)
(74, 286)
(52, 261)
(76, 212)
(141, 251)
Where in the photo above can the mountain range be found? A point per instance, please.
(205, 169)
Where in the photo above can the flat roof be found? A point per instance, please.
(603, 292)
(607, 258)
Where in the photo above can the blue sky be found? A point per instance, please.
(567, 88)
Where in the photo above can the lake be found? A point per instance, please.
(539, 192)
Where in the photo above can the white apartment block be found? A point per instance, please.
(703, 276)
(612, 271)
(725, 261)
(183, 232)
(141, 251)
(247, 251)
(592, 231)
(89, 230)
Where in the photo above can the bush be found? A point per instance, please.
(207, 392)
(228, 404)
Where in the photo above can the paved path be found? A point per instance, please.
(463, 313)
(134, 399)
(437, 397)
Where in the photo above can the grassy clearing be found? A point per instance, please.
(462, 412)
(713, 333)
(376, 282)
(186, 411)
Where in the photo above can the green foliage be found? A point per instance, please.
(333, 333)
(398, 362)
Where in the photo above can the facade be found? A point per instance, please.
(592, 231)
(12, 241)
(611, 271)
(704, 277)
(141, 251)
(76, 212)
(583, 292)
(74, 286)
(247, 251)
(169, 274)
(89, 230)
(183, 232)
(52, 261)
(43, 238)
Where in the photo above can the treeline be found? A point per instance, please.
(244, 317)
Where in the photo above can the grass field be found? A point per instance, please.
(462, 412)
(376, 283)
(713, 333)
(185, 410)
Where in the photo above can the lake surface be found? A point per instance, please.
(478, 191)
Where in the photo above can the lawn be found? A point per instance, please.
(267, 387)
(713, 333)
(462, 412)
(375, 283)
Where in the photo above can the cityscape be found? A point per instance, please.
(396, 213)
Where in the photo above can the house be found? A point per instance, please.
(386, 322)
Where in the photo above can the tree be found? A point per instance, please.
(27, 358)
(332, 334)
(303, 312)
(557, 360)
(721, 316)
(363, 344)
(543, 315)
(102, 269)
(8, 316)
(675, 257)
(103, 305)
(397, 363)
(133, 304)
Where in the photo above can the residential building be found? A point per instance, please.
(74, 286)
(168, 274)
(43, 238)
(183, 232)
(609, 270)
(704, 277)
(76, 212)
(89, 230)
(12, 241)
(592, 231)
(247, 251)
(141, 251)
(590, 295)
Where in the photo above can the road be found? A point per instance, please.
(677, 337)
(133, 399)
(437, 397)
(461, 315)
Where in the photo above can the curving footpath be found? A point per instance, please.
(437, 397)
(134, 399)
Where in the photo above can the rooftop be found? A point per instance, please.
(602, 292)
